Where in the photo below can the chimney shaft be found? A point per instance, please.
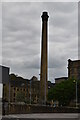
(44, 52)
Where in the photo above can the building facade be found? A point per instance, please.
(74, 69)
(18, 85)
(30, 89)
(4, 74)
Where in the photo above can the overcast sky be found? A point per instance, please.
(21, 37)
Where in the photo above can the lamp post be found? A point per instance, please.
(45, 91)
(76, 93)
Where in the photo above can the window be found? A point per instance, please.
(14, 99)
(14, 94)
(14, 88)
(17, 89)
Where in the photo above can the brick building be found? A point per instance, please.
(30, 89)
(74, 69)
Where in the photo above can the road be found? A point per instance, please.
(43, 116)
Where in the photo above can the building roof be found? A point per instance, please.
(18, 81)
(73, 60)
(74, 63)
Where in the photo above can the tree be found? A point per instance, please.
(63, 92)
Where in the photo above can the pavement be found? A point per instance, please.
(43, 116)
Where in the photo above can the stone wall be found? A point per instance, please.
(24, 109)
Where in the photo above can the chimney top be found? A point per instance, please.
(45, 16)
(45, 13)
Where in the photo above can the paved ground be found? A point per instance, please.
(43, 116)
(40, 119)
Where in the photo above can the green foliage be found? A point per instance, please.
(63, 92)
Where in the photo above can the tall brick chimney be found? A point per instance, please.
(44, 63)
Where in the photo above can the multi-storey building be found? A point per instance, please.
(4, 74)
(74, 69)
(30, 89)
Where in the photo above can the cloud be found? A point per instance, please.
(22, 37)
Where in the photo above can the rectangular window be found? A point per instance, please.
(14, 94)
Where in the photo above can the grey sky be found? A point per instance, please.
(21, 37)
(40, 0)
